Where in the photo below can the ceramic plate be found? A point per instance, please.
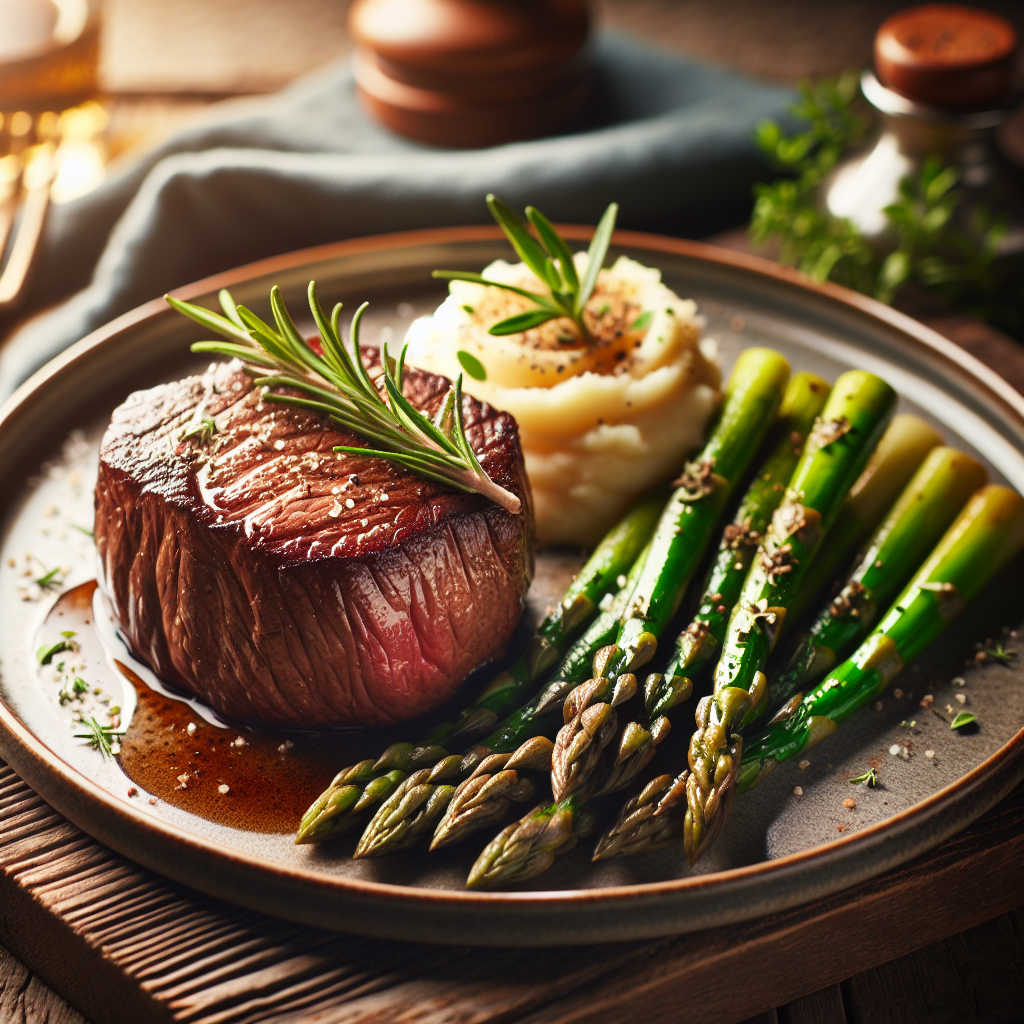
(779, 849)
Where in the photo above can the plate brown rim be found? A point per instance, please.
(36, 762)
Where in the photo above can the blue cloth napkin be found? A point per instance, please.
(667, 137)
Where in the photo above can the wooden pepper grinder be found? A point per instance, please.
(465, 74)
(942, 84)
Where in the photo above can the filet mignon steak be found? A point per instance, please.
(282, 581)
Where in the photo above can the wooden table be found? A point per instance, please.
(125, 945)
(82, 917)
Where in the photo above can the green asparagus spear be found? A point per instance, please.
(901, 450)
(921, 515)
(984, 537)
(853, 420)
(355, 792)
(752, 398)
(699, 643)
(686, 527)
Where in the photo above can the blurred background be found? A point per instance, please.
(103, 99)
(161, 61)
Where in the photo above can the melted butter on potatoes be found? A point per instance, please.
(601, 419)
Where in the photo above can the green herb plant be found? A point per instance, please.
(550, 258)
(926, 245)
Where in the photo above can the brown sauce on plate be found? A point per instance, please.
(272, 776)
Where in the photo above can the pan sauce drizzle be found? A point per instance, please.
(272, 776)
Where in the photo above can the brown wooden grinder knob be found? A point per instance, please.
(947, 55)
(471, 73)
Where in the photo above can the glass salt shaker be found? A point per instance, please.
(942, 84)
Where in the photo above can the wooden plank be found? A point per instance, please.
(24, 999)
(124, 944)
(965, 979)
(822, 1007)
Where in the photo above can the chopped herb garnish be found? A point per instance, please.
(469, 309)
(201, 427)
(49, 581)
(997, 652)
(551, 260)
(963, 718)
(46, 653)
(83, 529)
(643, 321)
(99, 736)
(869, 778)
(80, 685)
(471, 365)
(604, 309)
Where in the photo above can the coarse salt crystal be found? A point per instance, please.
(183, 779)
(191, 728)
(287, 745)
(894, 749)
(364, 522)
(804, 764)
(961, 698)
(929, 753)
(223, 788)
(335, 510)
(798, 791)
(958, 681)
(240, 742)
(278, 445)
(349, 503)
(384, 497)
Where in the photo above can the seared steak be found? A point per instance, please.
(282, 581)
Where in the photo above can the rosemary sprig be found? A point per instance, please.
(550, 259)
(99, 736)
(337, 385)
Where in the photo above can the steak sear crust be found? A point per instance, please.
(281, 581)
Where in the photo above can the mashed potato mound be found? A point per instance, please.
(601, 419)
